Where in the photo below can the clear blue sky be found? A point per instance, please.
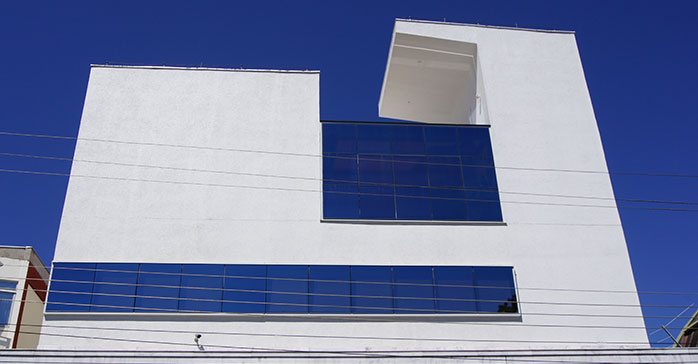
(640, 60)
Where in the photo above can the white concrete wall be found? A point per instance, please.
(541, 116)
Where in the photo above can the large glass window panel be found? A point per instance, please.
(408, 140)
(414, 290)
(340, 200)
(287, 289)
(375, 169)
(495, 289)
(479, 172)
(373, 139)
(411, 171)
(202, 288)
(413, 203)
(115, 287)
(329, 289)
(483, 205)
(71, 287)
(158, 287)
(448, 204)
(244, 288)
(6, 299)
(338, 138)
(371, 288)
(376, 202)
(8, 285)
(340, 168)
(474, 142)
(455, 290)
(441, 140)
(445, 172)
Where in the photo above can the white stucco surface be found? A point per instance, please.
(541, 117)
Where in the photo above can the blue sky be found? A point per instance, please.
(639, 59)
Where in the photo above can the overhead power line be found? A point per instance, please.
(339, 192)
(320, 156)
(345, 181)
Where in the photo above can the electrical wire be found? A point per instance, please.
(319, 156)
(349, 181)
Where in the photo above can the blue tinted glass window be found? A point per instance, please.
(414, 290)
(376, 202)
(115, 287)
(71, 287)
(483, 205)
(202, 288)
(287, 289)
(474, 142)
(373, 139)
(413, 203)
(411, 171)
(408, 140)
(455, 290)
(5, 307)
(158, 287)
(495, 290)
(479, 172)
(371, 289)
(448, 204)
(245, 287)
(375, 169)
(340, 200)
(8, 285)
(445, 172)
(340, 168)
(338, 138)
(329, 289)
(441, 140)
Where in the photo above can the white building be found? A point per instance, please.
(23, 283)
(192, 188)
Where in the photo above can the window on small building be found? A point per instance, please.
(378, 171)
(7, 294)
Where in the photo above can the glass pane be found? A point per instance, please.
(71, 287)
(484, 205)
(338, 138)
(373, 139)
(445, 172)
(411, 171)
(408, 139)
(375, 168)
(371, 289)
(455, 291)
(474, 142)
(414, 290)
(287, 289)
(242, 294)
(158, 287)
(337, 299)
(340, 200)
(5, 307)
(448, 204)
(339, 168)
(495, 290)
(376, 202)
(115, 287)
(8, 285)
(413, 208)
(202, 288)
(441, 140)
(479, 172)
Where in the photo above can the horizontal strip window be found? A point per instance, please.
(408, 172)
(283, 289)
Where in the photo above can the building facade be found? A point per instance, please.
(23, 283)
(215, 202)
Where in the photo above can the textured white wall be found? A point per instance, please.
(14, 270)
(541, 116)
